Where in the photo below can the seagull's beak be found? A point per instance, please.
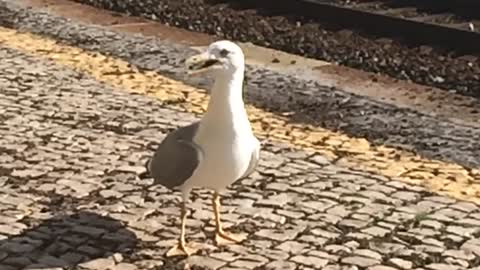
(200, 63)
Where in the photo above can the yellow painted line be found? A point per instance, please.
(437, 176)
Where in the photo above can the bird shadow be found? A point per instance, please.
(66, 241)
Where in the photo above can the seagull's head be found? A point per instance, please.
(221, 58)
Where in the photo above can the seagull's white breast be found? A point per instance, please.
(227, 154)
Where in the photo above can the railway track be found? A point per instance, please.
(460, 14)
(453, 25)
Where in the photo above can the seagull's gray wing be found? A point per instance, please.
(176, 157)
(253, 160)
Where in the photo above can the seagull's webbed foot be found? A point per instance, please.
(182, 248)
(222, 237)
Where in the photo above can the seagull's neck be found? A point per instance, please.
(226, 100)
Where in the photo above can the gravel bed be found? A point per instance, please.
(424, 64)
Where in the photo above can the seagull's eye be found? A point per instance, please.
(224, 53)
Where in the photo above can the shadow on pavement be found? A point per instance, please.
(67, 241)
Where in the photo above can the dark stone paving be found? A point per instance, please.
(71, 152)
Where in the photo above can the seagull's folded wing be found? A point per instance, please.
(176, 158)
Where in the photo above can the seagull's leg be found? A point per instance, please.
(222, 237)
(181, 248)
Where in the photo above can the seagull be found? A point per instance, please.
(215, 151)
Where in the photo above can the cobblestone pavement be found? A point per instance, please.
(74, 136)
